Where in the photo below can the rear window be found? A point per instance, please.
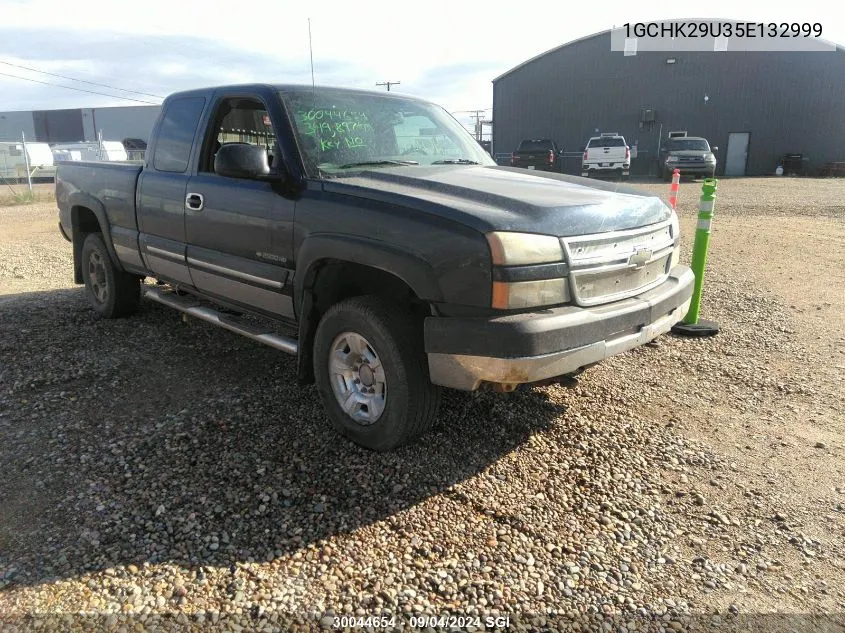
(535, 146)
(607, 141)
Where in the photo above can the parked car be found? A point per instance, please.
(541, 154)
(135, 148)
(377, 242)
(606, 155)
(691, 155)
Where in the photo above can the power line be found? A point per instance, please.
(92, 83)
(102, 94)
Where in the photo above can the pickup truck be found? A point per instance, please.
(369, 235)
(541, 154)
(607, 154)
(690, 155)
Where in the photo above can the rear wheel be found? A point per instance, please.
(112, 292)
(372, 373)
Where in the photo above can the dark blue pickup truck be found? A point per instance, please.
(377, 242)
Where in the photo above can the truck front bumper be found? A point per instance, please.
(694, 169)
(530, 347)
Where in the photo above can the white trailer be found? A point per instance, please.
(16, 156)
(96, 151)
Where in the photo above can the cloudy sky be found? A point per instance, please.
(446, 51)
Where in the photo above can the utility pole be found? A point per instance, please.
(388, 84)
(479, 133)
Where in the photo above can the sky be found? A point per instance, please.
(447, 52)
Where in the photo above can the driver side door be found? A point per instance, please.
(239, 231)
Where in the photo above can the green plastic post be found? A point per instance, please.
(699, 248)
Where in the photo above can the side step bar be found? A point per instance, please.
(190, 306)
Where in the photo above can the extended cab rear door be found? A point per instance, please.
(161, 190)
(240, 231)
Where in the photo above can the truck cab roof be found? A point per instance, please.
(258, 88)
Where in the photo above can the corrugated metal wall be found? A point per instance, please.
(74, 125)
(58, 126)
(789, 102)
(13, 123)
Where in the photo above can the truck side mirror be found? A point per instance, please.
(714, 148)
(241, 160)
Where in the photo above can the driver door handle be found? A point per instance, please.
(194, 201)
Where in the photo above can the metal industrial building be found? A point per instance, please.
(79, 124)
(756, 106)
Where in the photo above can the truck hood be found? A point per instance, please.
(508, 199)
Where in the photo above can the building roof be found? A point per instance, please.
(608, 31)
(551, 50)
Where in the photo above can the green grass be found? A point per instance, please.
(14, 197)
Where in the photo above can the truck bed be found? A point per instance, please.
(111, 183)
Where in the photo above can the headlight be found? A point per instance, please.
(672, 159)
(530, 294)
(521, 249)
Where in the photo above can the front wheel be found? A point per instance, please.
(111, 292)
(372, 373)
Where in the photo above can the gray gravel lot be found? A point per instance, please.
(158, 467)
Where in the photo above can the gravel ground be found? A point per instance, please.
(169, 473)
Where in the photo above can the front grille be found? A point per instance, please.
(612, 266)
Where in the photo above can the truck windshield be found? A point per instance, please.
(683, 144)
(341, 130)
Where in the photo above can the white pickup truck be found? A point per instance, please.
(607, 154)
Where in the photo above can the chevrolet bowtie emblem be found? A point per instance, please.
(640, 257)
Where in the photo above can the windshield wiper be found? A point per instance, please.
(456, 161)
(378, 163)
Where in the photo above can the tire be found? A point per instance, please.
(111, 292)
(667, 176)
(392, 336)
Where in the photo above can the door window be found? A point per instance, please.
(239, 120)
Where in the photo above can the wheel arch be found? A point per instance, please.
(337, 268)
(88, 215)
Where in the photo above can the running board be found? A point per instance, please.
(192, 307)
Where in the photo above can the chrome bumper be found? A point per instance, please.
(469, 371)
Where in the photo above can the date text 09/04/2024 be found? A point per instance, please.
(422, 622)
